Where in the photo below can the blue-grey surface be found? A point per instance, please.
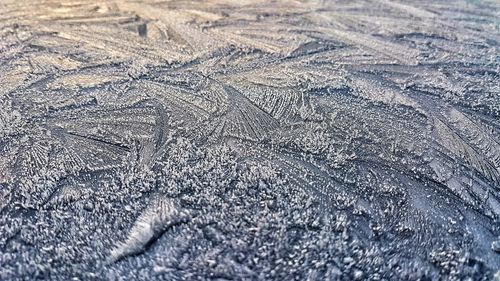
(249, 140)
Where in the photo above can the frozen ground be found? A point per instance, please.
(249, 140)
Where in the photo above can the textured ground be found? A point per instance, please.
(249, 140)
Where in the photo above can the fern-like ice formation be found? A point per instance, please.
(249, 140)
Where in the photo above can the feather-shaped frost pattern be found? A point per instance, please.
(249, 140)
(162, 215)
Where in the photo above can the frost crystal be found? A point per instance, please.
(261, 140)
